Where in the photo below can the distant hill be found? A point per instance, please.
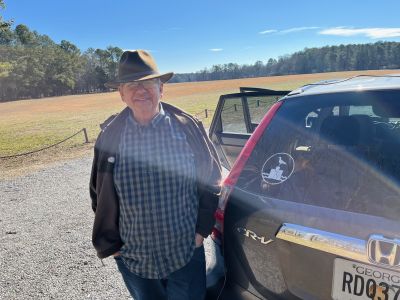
(376, 56)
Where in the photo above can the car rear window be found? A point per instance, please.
(332, 150)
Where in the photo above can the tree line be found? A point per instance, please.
(32, 65)
(374, 56)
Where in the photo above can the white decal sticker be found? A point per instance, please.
(277, 168)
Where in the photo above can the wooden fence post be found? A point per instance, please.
(86, 136)
(206, 112)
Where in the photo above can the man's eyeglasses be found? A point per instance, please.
(150, 83)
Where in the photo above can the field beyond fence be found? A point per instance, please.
(28, 125)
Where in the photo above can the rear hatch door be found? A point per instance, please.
(314, 213)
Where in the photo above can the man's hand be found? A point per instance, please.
(199, 240)
(116, 254)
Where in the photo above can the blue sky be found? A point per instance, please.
(187, 36)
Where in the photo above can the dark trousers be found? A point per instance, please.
(186, 283)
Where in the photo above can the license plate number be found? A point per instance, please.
(353, 280)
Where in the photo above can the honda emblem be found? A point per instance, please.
(383, 251)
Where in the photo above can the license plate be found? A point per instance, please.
(353, 280)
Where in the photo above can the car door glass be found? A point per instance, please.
(362, 109)
(232, 116)
(258, 107)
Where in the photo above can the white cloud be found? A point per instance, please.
(373, 33)
(216, 49)
(268, 31)
(290, 30)
(297, 29)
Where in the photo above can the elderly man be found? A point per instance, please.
(154, 188)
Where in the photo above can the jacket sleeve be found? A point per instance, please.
(93, 175)
(209, 190)
(93, 178)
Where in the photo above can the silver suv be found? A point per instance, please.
(311, 206)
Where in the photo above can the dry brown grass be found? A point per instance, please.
(32, 124)
(25, 109)
(194, 88)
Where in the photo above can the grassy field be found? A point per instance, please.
(33, 124)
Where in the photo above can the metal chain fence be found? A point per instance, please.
(203, 114)
(53, 145)
(200, 115)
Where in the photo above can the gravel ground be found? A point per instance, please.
(45, 238)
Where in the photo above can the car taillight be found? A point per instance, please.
(230, 181)
(219, 213)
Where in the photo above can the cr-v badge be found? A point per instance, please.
(253, 235)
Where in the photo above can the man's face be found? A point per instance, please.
(142, 97)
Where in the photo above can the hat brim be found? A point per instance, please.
(115, 83)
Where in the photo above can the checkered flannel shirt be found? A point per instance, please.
(154, 177)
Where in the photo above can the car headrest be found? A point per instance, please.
(340, 130)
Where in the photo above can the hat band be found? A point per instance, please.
(138, 75)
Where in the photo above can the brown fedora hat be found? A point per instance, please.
(135, 66)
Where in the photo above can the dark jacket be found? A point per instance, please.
(105, 203)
